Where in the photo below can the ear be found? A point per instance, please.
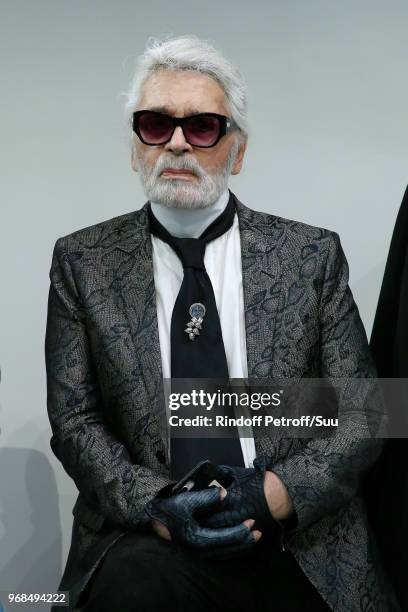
(236, 168)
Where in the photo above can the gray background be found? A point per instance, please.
(327, 108)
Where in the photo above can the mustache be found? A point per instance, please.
(178, 163)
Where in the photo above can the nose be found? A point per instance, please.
(178, 144)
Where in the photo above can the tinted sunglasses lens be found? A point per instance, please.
(202, 131)
(154, 128)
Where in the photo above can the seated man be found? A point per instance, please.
(197, 285)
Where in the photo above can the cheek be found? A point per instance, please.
(149, 156)
(214, 161)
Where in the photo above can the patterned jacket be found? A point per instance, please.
(104, 390)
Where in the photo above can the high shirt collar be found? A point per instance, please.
(189, 223)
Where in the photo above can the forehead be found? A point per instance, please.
(182, 92)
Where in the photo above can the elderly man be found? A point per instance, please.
(197, 285)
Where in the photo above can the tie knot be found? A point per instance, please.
(191, 252)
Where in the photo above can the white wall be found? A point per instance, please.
(327, 100)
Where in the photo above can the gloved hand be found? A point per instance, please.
(177, 513)
(245, 499)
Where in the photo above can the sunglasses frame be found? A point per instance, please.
(226, 125)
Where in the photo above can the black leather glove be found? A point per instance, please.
(177, 513)
(245, 499)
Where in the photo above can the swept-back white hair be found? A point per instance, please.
(190, 53)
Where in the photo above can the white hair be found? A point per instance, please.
(190, 53)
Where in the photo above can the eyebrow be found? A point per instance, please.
(168, 111)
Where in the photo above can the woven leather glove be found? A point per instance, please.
(177, 513)
(245, 499)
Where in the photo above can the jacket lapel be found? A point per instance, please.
(139, 299)
(261, 278)
(261, 273)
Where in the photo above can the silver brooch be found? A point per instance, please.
(197, 312)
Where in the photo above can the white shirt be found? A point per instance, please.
(222, 259)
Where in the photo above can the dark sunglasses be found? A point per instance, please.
(201, 130)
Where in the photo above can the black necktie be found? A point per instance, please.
(197, 348)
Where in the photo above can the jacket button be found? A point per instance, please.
(160, 456)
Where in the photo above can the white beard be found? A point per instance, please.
(201, 192)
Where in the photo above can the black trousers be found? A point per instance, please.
(143, 572)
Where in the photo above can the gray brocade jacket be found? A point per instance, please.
(104, 380)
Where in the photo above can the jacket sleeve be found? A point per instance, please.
(326, 473)
(92, 456)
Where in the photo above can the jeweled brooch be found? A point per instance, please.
(197, 312)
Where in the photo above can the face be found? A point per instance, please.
(206, 170)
